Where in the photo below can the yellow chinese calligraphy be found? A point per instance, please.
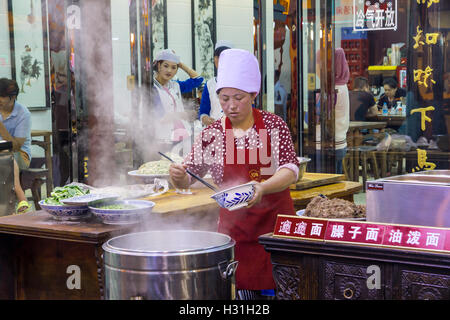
(417, 38)
(431, 38)
(418, 74)
(422, 161)
(424, 118)
(429, 3)
(285, 4)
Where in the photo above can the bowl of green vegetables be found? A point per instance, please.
(59, 210)
(122, 211)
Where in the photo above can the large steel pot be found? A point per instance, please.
(163, 265)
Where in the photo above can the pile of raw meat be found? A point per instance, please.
(322, 207)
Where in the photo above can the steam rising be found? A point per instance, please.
(133, 121)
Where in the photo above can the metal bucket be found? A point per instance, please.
(165, 265)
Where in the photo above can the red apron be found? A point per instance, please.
(254, 271)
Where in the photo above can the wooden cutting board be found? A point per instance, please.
(311, 180)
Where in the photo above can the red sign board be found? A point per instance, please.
(363, 233)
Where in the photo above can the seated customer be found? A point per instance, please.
(362, 102)
(391, 95)
(15, 126)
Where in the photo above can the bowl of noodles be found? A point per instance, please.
(155, 169)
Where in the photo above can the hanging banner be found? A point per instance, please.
(363, 233)
(374, 15)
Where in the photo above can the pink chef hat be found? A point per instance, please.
(238, 69)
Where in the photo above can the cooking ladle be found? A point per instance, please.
(192, 174)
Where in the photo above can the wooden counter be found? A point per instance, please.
(306, 270)
(344, 190)
(36, 250)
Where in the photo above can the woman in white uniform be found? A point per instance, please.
(210, 109)
(173, 122)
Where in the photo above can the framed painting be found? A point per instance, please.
(203, 36)
(29, 52)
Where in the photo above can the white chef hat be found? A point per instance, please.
(168, 55)
(238, 69)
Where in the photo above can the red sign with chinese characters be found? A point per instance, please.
(355, 232)
(311, 229)
(363, 233)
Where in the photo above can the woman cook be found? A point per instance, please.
(241, 132)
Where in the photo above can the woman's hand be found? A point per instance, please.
(191, 72)
(259, 193)
(281, 180)
(179, 176)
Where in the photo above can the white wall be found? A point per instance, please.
(120, 25)
(179, 32)
(234, 20)
(5, 59)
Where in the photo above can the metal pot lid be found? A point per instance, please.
(169, 242)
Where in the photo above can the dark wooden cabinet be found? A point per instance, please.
(347, 280)
(422, 285)
(306, 270)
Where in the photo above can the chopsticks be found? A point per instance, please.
(192, 174)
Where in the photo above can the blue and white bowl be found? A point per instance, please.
(64, 212)
(122, 216)
(236, 197)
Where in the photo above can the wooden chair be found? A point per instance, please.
(33, 178)
(360, 156)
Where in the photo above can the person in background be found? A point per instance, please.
(362, 102)
(247, 129)
(15, 126)
(173, 121)
(280, 95)
(342, 107)
(391, 95)
(210, 109)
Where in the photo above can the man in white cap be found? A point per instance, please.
(240, 143)
(210, 109)
(173, 122)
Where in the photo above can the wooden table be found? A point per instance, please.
(36, 250)
(344, 190)
(356, 126)
(392, 121)
(389, 158)
(313, 179)
(46, 145)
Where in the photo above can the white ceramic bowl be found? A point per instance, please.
(122, 216)
(235, 197)
(66, 213)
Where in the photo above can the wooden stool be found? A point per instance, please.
(34, 178)
(366, 153)
(357, 156)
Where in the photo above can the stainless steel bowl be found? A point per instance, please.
(302, 167)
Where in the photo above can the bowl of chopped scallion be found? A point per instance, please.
(122, 211)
